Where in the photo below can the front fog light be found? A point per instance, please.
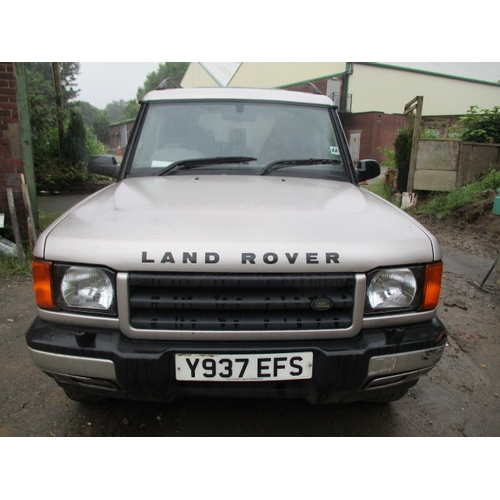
(392, 289)
(86, 288)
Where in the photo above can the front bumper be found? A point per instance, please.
(105, 362)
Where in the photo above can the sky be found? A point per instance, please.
(101, 83)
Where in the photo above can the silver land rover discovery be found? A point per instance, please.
(236, 255)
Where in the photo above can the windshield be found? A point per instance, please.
(263, 133)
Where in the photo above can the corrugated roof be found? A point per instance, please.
(480, 71)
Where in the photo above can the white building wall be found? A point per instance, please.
(375, 88)
(281, 74)
(196, 76)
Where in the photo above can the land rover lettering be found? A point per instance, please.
(246, 258)
(290, 258)
(185, 258)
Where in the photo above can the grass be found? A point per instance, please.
(443, 204)
(45, 220)
(10, 266)
(381, 189)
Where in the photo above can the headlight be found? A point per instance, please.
(85, 289)
(394, 289)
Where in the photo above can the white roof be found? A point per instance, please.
(232, 93)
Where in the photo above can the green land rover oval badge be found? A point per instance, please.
(321, 304)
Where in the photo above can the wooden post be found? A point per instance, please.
(15, 227)
(29, 214)
(414, 121)
(59, 103)
(26, 139)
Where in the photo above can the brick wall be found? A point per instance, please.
(377, 130)
(11, 157)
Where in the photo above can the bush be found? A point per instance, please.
(389, 156)
(92, 145)
(60, 176)
(53, 173)
(481, 126)
(402, 148)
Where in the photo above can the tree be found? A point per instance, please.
(131, 110)
(87, 110)
(74, 142)
(69, 72)
(41, 74)
(100, 126)
(58, 160)
(59, 101)
(115, 110)
(42, 102)
(95, 119)
(174, 70)
(119, 111)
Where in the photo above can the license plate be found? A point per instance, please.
(244, 367)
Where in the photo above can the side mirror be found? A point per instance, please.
(367, 169)
(104, 165)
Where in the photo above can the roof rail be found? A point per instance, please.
(168, 83)
(308, 85)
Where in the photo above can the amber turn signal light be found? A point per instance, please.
(432, 287)
(42, 284)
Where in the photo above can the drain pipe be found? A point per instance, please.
(349, 70)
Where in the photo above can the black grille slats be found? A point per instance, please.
(207, 302)
(150, 298)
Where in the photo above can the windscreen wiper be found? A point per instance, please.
(200, 162)
(277, 164)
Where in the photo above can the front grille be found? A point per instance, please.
(239, 302)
